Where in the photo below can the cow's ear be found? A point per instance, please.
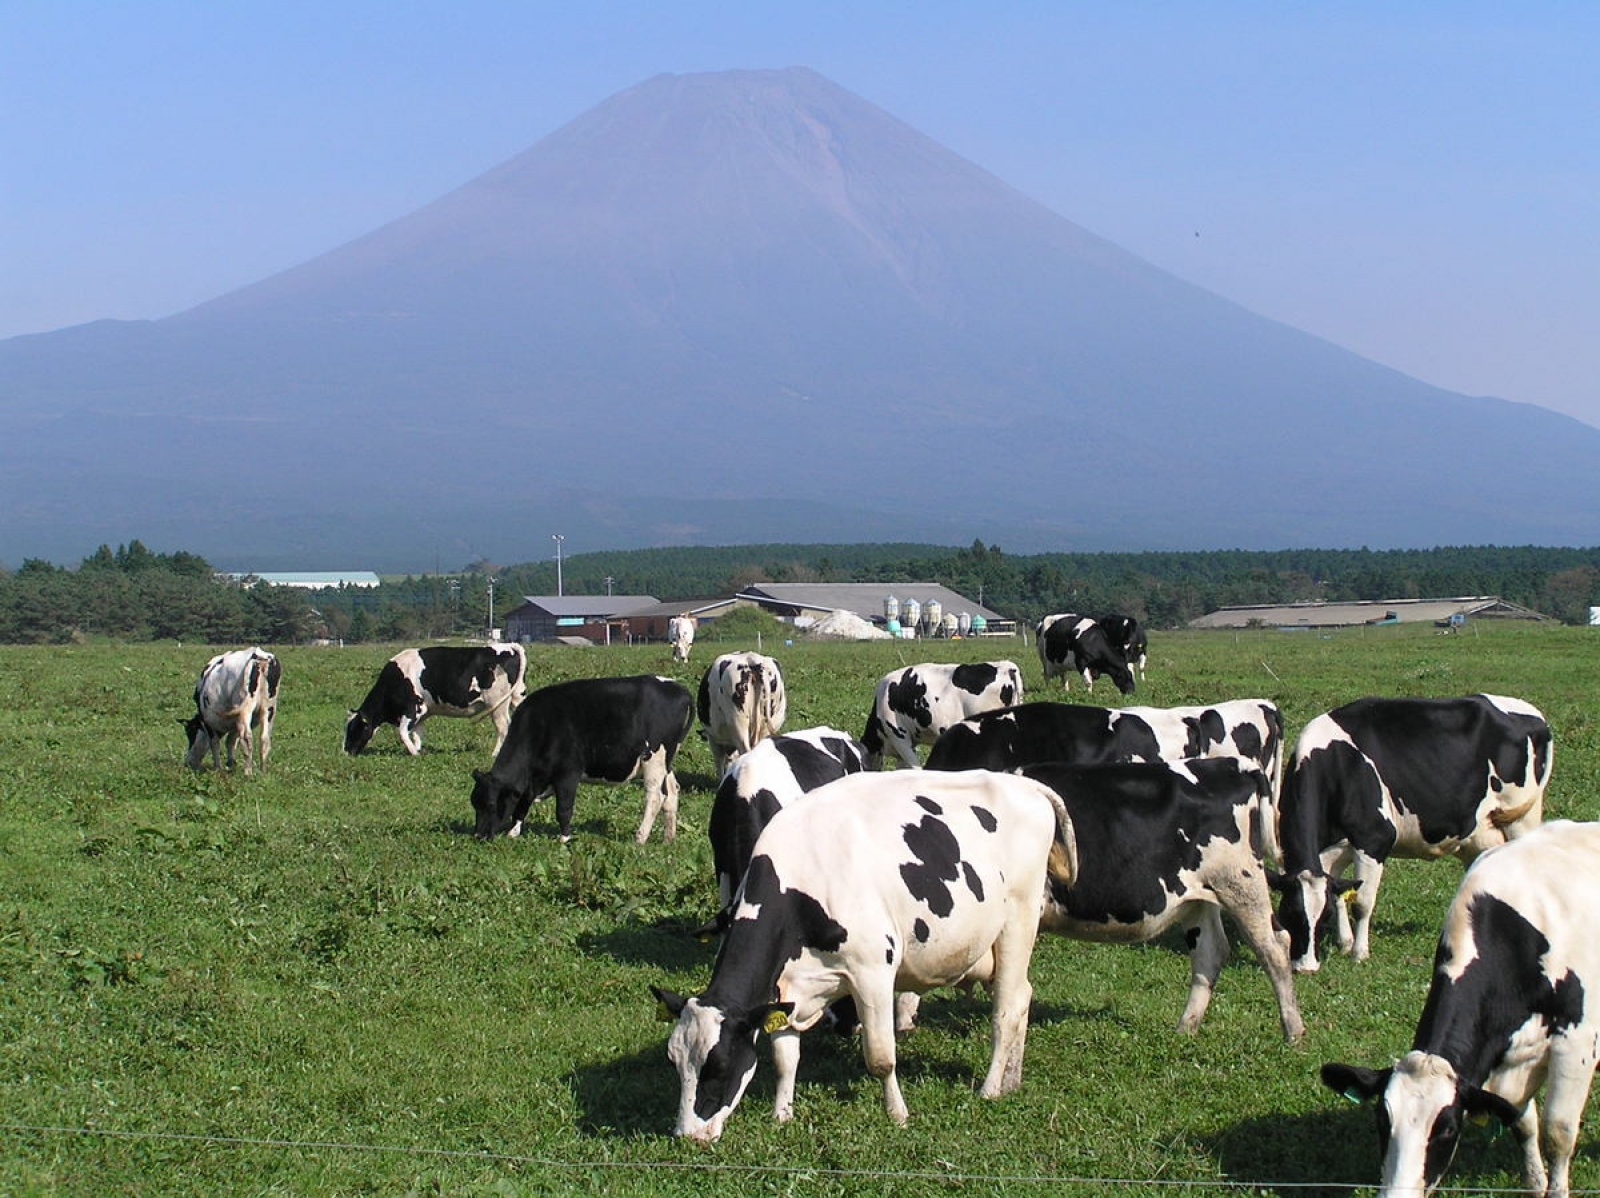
(479, 775)
(1481, 1104)
(1344, 885)
(669, 1004)
(717, 925)
(776, 1017)
(1354, 1082)
(1277, 881)
(349, 714)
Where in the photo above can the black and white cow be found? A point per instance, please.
(1128, 635)
(1174, 844)
(911, 707)
(1069, 643)
(235, 699)
(768, 778)
(1082, 734)
(877, 883)
(680, 634)
(1514, 1005)
(741, 702)
(590, 729)
(441, 680)
(1381, 778)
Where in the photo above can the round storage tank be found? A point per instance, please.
(891, 608)
(913, 614)
(935, 614)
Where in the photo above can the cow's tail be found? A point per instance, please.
(1061, 866)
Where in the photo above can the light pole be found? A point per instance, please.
(558, 538)
(491, 607)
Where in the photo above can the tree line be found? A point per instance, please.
(131, 593)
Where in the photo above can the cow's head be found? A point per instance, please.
(1306, 911)
(358, 732)
(495, 805)
(1422, 1104)
(714, 1051)
(198, 737)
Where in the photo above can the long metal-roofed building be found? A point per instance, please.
(598, 619)
(802, 603)
(1356, 613)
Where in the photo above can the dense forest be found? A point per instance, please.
(131, 593)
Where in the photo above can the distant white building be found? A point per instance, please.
(311, 580)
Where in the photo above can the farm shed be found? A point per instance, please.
(598, 619)
(650, 623)
(802, 603)
(311, 580)
(1363, 612)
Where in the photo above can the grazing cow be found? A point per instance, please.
(1069, 643)
(591, 729)
(876, 883)
(1381, 778)
(1511, 1008)
(680, 632)
(913, 706)
(769, 777)
(1128, 635)
(441, 680)
(1174, 844)
(237, 692)
(741, 702)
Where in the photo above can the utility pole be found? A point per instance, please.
(491, 607)
(558, 538)
(609, 581)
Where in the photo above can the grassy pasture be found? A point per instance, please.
(317, 982)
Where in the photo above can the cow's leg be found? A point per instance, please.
(653, 770)
(669, 808)
(1334, 861)
(500, 717)
(786, 1064)
(1249, 903)
(1566, 1091)
(1208, 952)
(566, 795)
(1369, 873)
(410, 729)
(875, 1008)
(1008, 982)
(1088, 680)
(264, 736)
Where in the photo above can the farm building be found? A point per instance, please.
(311, 580)
(918, 605)
(1440, 612)
(650, 623)
(597, 619)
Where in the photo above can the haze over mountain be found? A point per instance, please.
(746, 306)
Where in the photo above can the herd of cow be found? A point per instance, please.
(1107, 824)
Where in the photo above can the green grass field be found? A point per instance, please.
(317, 982)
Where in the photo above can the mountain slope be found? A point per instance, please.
(744, 306)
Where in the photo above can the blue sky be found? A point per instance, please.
(1419, 182)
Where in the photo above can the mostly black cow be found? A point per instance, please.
(1514, 1005)
(1381, 778)
(1128, 635)
(235, 701)
(591, 729)
(761, 783)
(1069, 643)
(442, 680)
(875, 883)
(911, 707)
(1169, 845)
(741, 702)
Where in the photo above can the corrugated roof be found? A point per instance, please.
(1355, 612)
(596, 606)
(865, 598)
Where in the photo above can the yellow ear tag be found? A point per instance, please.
(776, 1021)
(663, 1014)
(1478, 1119)
(1349, 896)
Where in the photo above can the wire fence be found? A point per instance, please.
(949, 1176)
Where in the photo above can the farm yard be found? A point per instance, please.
(317, 981)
